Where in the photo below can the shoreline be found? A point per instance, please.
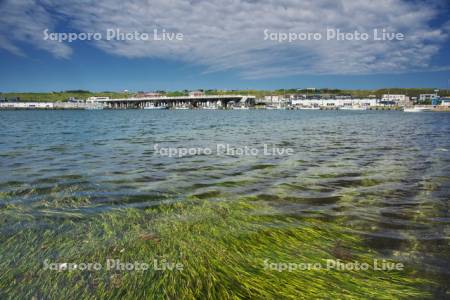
(85, 107)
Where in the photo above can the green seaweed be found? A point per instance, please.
(223, 246)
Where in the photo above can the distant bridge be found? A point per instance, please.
(219, 101)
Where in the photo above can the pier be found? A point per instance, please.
(204, 101)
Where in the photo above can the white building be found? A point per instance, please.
(445, 102)
(365, 102)
(275, 99)
(428, 97)
(95, 99)
(27, 105)
(395, 98)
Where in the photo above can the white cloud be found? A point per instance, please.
(24, 21)
(229, 34)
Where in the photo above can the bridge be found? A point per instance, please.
(203, 101)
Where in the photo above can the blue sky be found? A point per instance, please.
(223, 46)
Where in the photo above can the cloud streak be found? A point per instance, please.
(23, 21)
(229, 34)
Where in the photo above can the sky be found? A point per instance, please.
(224, 44)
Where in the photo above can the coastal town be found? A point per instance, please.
(198, 99)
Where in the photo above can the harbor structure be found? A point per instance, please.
(96, 99)
(202, 101)
(178, 102)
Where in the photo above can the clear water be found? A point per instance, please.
(382, 176)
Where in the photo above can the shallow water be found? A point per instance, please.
(382, 177)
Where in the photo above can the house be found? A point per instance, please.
(445, 102)
(196, 94)
(395, 98)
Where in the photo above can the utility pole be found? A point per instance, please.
(448, 87)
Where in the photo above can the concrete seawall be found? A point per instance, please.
(42, 105)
